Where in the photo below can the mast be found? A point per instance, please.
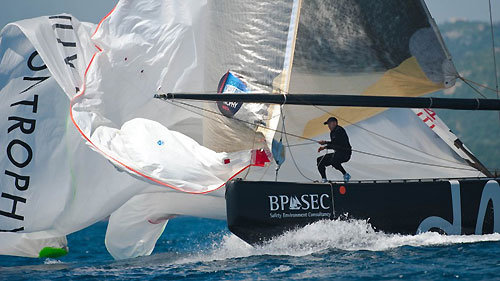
(344, 100)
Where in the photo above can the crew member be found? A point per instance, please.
(342, 150)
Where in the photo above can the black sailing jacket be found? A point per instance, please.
(339, 140)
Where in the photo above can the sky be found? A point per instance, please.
(94, 10)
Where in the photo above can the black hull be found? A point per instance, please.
(258, 211)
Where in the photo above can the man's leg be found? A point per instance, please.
(339, 167)
(338, 159)
(321, 166)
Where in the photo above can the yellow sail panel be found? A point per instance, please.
(407, 80)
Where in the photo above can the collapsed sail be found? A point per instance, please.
(155, 148)
(52, 183)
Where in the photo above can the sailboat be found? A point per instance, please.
(247, 152)
(376, 62)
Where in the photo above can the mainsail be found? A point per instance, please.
(371, 48)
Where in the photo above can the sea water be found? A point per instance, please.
(193, 248)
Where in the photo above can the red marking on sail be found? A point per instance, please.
(259, 158)
(227, 161)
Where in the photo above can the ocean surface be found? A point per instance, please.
(193, 248)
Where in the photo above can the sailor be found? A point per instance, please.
(342, 150)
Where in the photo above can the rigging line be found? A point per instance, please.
(473, 88)
(478, 84)
(493, 49)
(213, 102)
(253, 146)
(236, 119)
(265, 172)
(290, 150)
(312, 140)
(411, 161)
(300, 144)
(387, 138)
(356, 125)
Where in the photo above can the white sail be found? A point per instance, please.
(52, 184)
(28, 245)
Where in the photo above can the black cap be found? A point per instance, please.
(331, 119)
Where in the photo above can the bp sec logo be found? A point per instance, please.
(301, 202)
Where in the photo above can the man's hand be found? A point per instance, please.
(322, 142)
(321, 148)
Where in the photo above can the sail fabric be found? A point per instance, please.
(86, 92)
(52, 183)
(136, 226)
(146, 48)
(27, 245)
(255, 41)
(169, 156)
(394, 144)
(382, 48)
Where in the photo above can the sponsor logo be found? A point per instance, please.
(23, 123)
(229, 109)
(490, 193)
(304, 202)
(300, 206)
(229, 83)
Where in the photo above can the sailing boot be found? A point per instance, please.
(324, 180)
(347, 177)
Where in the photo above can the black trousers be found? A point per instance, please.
(335, 159)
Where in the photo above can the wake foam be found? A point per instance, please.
(352, 235)
(52, 261)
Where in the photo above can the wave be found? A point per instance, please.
(351, 235)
